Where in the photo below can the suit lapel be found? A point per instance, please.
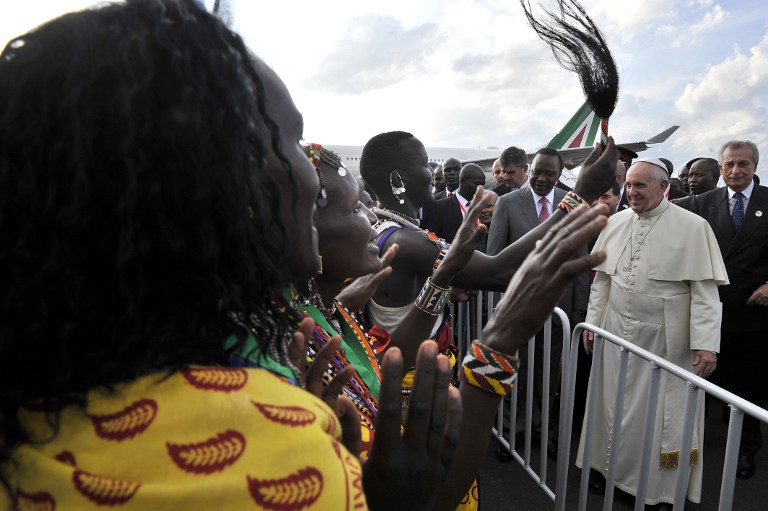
(722, 224)
(757, 203)
(528, 208)
(456, 209)
(623, 204)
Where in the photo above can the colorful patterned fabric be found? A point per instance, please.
(203, 438)
(356, 349)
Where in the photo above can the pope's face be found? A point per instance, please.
(644, 191)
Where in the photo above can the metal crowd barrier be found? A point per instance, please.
(696, 386)
(469, 317)
(463, 321)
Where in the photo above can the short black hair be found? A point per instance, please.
(691, 162)
(136, 203)
(549, 151)
(381, 155)
(710, 165)
(513, 155)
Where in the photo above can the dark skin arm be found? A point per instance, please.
(417, 324)
(406, 470)
(491, 273)
(544, 275)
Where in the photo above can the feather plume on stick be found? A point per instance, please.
(579, 46)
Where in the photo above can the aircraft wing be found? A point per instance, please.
(577, 155)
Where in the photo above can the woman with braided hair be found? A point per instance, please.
(152, 181)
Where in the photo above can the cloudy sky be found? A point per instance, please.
(471, 73)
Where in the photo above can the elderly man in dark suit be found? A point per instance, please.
(517, 213)
(738, 215)
(445, 216)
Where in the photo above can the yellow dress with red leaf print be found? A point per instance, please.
(202, 438)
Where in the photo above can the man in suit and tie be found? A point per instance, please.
(738, 215)
(445, 216)
(451, 169)
(515, 215)
(514, 170)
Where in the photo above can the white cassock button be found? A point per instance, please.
(758, 213)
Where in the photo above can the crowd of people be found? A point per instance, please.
(199, 311)
(703, 312)
(162, 231)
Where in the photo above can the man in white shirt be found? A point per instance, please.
(738, 215)
(517, 213)
(445, 216)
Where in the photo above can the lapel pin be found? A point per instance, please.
(758, 213)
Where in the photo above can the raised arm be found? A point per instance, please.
(492, 273)
(417, 324)
(532, 294)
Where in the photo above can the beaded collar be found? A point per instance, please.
(396, 216)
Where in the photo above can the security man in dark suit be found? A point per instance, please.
(445, 216)
(738, 215)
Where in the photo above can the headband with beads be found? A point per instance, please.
(317, 156)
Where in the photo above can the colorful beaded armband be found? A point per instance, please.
(438, 260)
(432, 298)
(489, 370)
(570, 202)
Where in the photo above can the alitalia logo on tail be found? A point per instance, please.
(579, 131)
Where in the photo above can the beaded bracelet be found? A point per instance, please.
(438, 260)
(570, 202)
(432, 298)
(489, 370)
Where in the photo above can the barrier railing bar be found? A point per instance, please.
(683, 464)
(545, 377)
(597, 362)
(618, 411)
(728, 481)
(650, 420)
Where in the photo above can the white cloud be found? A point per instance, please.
(710, 20)
(728, 101)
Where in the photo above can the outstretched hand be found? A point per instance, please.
(463, 245)
(331, 393)
(598, 173)
(539, 283)
(362, 289)
(406, 471)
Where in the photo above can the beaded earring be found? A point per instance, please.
(315, 152)
(397, 190)
(318, 155)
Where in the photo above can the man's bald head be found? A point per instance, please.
(621, 172)
(471, 176)
(496, 171)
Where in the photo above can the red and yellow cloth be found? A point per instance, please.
(202, 438)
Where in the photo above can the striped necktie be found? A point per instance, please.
(544, 213)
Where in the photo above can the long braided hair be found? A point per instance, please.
(136, 203)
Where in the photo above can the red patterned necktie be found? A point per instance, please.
(544, 213)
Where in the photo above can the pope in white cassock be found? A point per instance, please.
(657, 289)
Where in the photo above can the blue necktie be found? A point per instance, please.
(738, 211)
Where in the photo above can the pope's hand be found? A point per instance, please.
(704, 363)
